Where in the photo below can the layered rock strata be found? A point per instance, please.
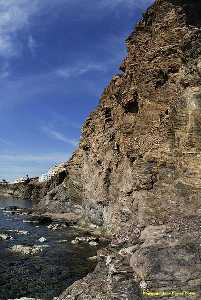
(137, 172)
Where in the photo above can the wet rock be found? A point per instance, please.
(28, 250)
(74, 242)
(113, 280)
(42, 239)
(93, 243)
(92, 258)
(4, 236)
(57, 226)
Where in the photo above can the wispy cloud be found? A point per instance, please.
(14, 165)
(37, 158)
(32, 44)
(15, 15)
(5, 142)
(4, 70)
(59, 136)
(80, 69)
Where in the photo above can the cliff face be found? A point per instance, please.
(139, 157)
(137, 172)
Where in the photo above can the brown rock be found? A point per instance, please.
(138, 165)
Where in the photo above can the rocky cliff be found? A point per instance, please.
(26, 190)
(31, 189)
(137, 172)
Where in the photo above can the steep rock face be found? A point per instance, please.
(138, 162)
(142, 144)
(65, 192)
(137, 171)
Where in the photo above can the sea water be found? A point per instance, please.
(46, 274)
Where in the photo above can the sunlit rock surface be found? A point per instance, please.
(136, 175)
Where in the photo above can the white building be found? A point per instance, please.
(44, 178)
(51, 173)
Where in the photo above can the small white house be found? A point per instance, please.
(44, 178)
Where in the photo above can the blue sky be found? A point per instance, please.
(56, 57)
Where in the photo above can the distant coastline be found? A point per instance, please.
(22, 190)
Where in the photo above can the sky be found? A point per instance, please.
(56, 57)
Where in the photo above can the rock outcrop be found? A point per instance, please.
(137, 172)
(31, 189)
(25, 190)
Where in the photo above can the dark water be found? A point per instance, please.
(44, 275)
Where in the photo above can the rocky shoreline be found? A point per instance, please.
(135, 177)
(39, 256)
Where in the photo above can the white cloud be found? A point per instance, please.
(80, 69)
(37, 158)
(15, 15)
(52, 133)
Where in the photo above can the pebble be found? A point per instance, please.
(74, 242)
(42, 239)
(92, 258)
(93, 243)
(56, 226)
